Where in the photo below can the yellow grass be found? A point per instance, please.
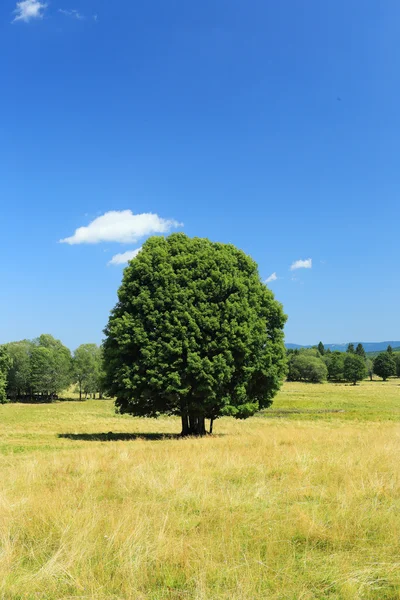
(270, 508)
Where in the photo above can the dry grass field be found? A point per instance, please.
(300, 503)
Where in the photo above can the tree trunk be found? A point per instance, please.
(197, 425)
(80, 392)
(211, 425)
(193, 424)
(185, 424)
(201, 426)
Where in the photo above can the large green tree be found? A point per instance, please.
(195, 333)
(354, 368)
(384, 365)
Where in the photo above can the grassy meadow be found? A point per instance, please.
(301, 502)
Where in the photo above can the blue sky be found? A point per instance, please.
(271, 125)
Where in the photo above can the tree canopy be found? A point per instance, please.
(51, 366)
(335, 364)
(195, 333)
(19, 376)
(354, 368)
(87, 368)
(307, 367)
(384, 365)
(360, 351)
(397, 363)
(39, 367)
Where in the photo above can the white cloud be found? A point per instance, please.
(301, 264)
(29, 9)
(121, 226)
(125, 257)
(272, 277)
(71, 13)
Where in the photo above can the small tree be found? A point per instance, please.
(5, 365)
(50, 366)
(321, 348)
(360, 351)
(354, 368)
(370, 367)
(396, 357)
(19, 376)
(61, 362)
(87, 364)
(195, 333)
(305, 367)
(335, 364)
(42, 371)
(384, 365)
(389, 349)
(350, 349)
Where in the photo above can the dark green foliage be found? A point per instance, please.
(360, 351)
(335, 364)
(306, 367)
(5, 365)
(350, 349)
(354, 368)
(384, 365)
(389, 349)
(195, 333)
(321, 348)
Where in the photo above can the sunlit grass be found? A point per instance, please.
(298, 505)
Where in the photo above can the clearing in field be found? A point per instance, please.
(302, 502)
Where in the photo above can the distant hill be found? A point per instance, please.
(368, 346)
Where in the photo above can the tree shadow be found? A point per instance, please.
(43, 400)
(127, 437)
(119, 437)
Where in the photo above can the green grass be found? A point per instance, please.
(368, 401)
(298, 503)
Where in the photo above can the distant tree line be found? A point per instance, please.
(40, 369)
(318, 364)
